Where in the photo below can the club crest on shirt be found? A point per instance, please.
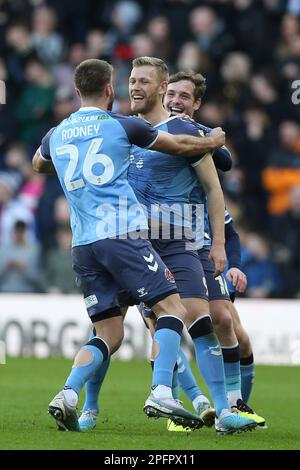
(169, 276)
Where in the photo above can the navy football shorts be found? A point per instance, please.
(185, 266)
(107, 266)
(217, 287)
(146, 311)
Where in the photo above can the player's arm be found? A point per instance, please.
(222, 157)
(188, 145)
(233, 251)
(208, 176)
(142, 134)
(40, 165)
(42, 162)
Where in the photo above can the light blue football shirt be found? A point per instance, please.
(90, 152)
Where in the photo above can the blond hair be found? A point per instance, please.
(158, 64)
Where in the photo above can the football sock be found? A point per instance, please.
(210, 360)
(93, 386)
(80, 374)
(167, 336)
(247, 376)
(186, 378)
(231, 357)
(175, 384)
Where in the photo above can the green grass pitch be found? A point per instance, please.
(27, 385)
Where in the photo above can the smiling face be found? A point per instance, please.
(180, 98)
(145, 89)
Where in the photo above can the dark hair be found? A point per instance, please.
(196, 78)
(91, 76)
(20, 226)
(158, 64)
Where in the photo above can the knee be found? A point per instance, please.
(170, 306)
(112, 334)
(222, 319)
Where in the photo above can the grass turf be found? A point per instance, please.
(27, 385)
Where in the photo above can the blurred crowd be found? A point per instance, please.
(249, 52)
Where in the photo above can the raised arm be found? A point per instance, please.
(221, 156)
(208, 177)
(188, 145)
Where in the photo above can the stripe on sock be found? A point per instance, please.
(101, 345)
(247, 361)
(231, 354)
(170, 322)
(201, 327)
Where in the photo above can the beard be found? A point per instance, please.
(145, 105)
(111, 101)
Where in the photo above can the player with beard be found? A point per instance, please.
(160, 182)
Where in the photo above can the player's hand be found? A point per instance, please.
(187, 117)
(237, 278)
(218, 136)
(217, 256)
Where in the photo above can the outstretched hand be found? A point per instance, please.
(237, 278)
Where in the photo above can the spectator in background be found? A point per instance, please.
(262, 274)
(192, 57)
(97, 45)
(64, 105)
(158, 29)
(210, 33)
(251, 138)
(8, 121)
(236, 72)
(63, 72)
(45, 213)
(34, 109)
(266, 92)
(59, 274)
(289, 237)
(125, 15)
(20, 51)
(49, 44)
(53, 212)
(142, 45)
(282, 172)
(252, 22)
(19, 263)
(13, 206)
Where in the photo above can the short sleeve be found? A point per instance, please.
(187, 127)
(45, 145)
(139, 132)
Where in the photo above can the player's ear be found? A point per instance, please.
(163, 88)
(197, 104)
(78, 92)
(108, 90)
